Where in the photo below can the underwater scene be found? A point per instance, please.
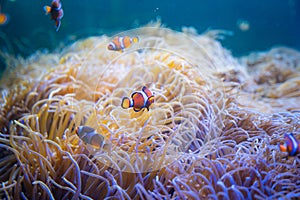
(149, 99)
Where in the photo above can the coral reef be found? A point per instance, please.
(212, 132)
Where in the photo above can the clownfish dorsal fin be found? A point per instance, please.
(144, 89)
(147, 91)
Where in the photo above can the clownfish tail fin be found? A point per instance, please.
(126, 103)
(135, 39)
(47, 9)
(57, 24)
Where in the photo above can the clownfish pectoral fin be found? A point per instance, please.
(47, 9)
(126, 103)
(282, 148)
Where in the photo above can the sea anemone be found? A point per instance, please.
(212, 131)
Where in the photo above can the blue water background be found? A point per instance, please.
(272, 22)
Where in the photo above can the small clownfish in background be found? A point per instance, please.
(4, 18)
(139, 100)
(90, 136)
(56, 12)
(291, 145)
(120, 43)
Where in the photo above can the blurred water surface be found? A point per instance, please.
(270, 23)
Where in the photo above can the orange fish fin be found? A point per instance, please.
(137, 109)
(147, 91)
(47, 9)
(126, 103)
(135, 39)
(151, 99)
(149, 102)
(282, 148)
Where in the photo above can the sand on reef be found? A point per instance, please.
(212, 132)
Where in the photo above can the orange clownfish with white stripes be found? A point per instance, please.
(291, 145)
(139, 100)
(120, 43)
(56, 12)
(90, 136)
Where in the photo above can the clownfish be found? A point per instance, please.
(90, 136)
(291, 145)
(139, 100)
(56, 12)
(120, 43)
(3, 19)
